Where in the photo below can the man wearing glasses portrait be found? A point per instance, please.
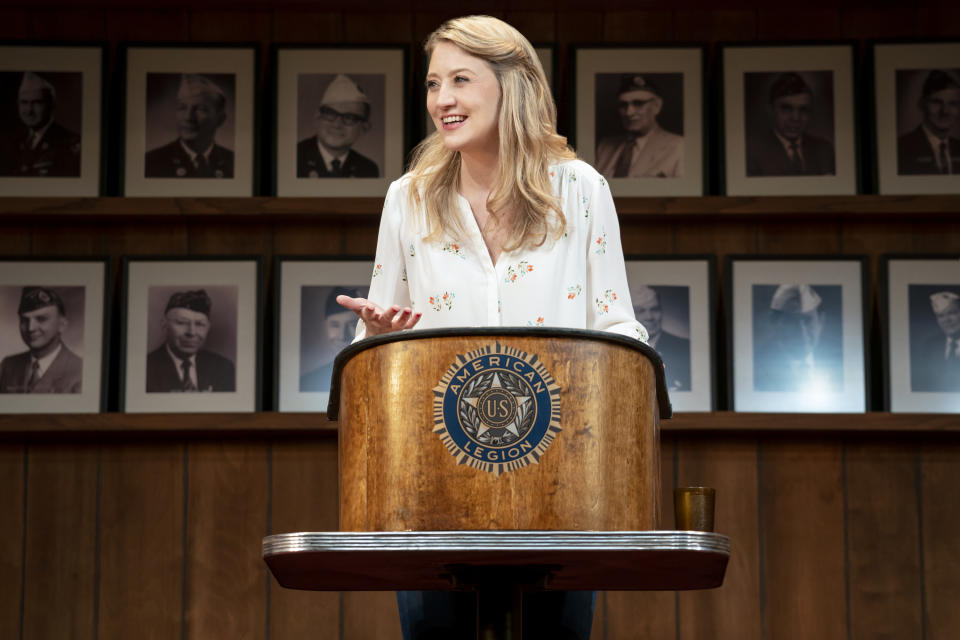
(341, 119)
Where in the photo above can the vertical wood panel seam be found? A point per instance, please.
(676, 483)
(185, 475)
(96, 545)
(761, 534)
(23, 541)
(918, 479)
(340, 615)
(846, 537)
(269, 528)
(606, 619)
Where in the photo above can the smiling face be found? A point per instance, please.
(41, 329)
(638, 111)
(791, 114)
(198, 118)
(340, 124)
(186, 331)
(36, 107)
(463, 98)
(941, 111)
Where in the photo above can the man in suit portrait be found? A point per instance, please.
(800, 346)
(674, 350)
(181, 363)
(41, 146)
(786, 147)
(342, 117)
(47, 366)
(201, 110)
(929, 148)
(935, 360)
(337, 331)
(644, 149)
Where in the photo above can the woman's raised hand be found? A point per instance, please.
(378, 320)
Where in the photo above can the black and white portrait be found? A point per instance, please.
(665, 312)
(41, 121)
(191, 339)
(798, 338)
(639, 125)
(41, 339)
(326, 328)
(789, 123)
(190, 125)
(934, 323)
(928, 121)
(340, 125)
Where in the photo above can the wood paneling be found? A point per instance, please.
(12, 459)
(940, 523)
(371, 614)
(226, 581)
(70, 25)
(883, 541)
(716, 26)
(61, 553)
(141, 541)
(148, 25)
(307, 26)
(638, 26)
(230, 26)
(796, 23)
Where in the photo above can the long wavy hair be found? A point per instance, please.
(529, 141)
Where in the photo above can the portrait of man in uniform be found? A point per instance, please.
(798, 338)
(934, 338)
(641, 147)
(930, 147)
(36, 144)
(326, 328)
(181, 362)
(197, 117)
(48, 365)
(789, 128)
(673, 348)
(340, 120)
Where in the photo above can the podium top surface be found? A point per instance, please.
(493, 333)
(446, 560)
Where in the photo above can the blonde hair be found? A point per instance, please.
(529, 142)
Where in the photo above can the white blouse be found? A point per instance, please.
(577, 281)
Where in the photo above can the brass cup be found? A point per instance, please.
(693, 508)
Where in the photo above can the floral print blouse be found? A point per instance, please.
(577, 281)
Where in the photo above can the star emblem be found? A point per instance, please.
(513, 425)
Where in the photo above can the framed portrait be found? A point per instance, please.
(788, 120)
(639, 118)
(917, 117)
(53, 329)
(51, 120)
(311, 327)
(190, 120)
(547, 55)
(191, 335)
(922, 341)
(673, 297)
(340, 120)
(797, 334)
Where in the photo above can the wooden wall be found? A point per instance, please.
(834, 536)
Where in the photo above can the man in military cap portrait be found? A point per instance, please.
(798, 346)
(644, 149)
(181, 363)
(337, 331)
(935, 359)
(786, 147)
(41, 146)
(930, 148)
(201, 111)
(47, 366)
(342, 117)
(674, 350)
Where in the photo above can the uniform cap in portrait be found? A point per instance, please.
(633, 82)
(33, 298)
(192, 84)
(34, 82)
(939, 80)
(797, 298)
(788, 84)
(643, 295)
(343, 89)
(197, 301)
(941, 300)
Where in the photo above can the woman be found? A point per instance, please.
(496, 224)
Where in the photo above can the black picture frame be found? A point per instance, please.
(149, 285)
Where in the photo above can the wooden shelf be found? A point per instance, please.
(258, 208)
(272, 424)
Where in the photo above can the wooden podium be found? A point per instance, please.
(486, 458)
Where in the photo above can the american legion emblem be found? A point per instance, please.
(497, 409)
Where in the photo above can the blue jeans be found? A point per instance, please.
(452, 615)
